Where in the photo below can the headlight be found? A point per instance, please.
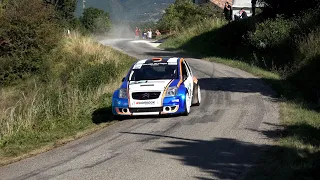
(172, 91)
(123, 93)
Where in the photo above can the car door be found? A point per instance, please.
(187, 79)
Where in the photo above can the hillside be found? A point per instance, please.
(130, 10)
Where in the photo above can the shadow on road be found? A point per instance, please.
(223, 158)
(102, 115)
(226, 158)
(235, 84)
(286, 162)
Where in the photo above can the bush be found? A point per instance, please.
(93, 76)
(28, 31)
(65, 8)
(305, 74)
(184, 13)
(271, 33)
(275, 39)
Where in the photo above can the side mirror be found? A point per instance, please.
(123, 79)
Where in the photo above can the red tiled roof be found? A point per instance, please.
(221, 3)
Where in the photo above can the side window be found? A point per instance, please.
(184, 70)
(188, 67)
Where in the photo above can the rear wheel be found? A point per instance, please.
(196, 98)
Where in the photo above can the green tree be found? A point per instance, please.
(65, 8)
(170, 20)
(96, 20)
(184, 13)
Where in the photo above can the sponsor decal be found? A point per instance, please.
(175, 100)
(146, 85)
(172, 63)
(145, 102)
(138, 82)
(157, 64)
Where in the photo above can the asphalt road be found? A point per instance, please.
(221, 139)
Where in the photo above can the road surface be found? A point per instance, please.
(220, 139)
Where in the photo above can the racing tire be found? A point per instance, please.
(196, 98)
(187, 108)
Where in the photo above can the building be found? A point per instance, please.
(245, 4)
(221, 3)
(236, 5)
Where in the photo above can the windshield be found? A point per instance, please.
(153, 72)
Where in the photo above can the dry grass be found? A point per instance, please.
(45, 105)
(35, 114)
(309, 47)
(79, 46)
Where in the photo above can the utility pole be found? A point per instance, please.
(83, 4)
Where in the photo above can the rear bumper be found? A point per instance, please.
(170, 105)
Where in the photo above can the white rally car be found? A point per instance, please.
(157, 86)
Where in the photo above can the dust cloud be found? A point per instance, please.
(121, 30)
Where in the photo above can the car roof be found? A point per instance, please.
(170, 60)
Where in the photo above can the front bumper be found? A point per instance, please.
(170, 105)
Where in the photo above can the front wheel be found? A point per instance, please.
(187, 106)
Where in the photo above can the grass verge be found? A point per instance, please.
(297, 152)
(69, 98)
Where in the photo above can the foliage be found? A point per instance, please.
(65, 8)
(50, 83)
(28, 31)
(290, 7)
(305, 74)
(96, 20)
(271, 43)
(271, 34)
(291, 45)
(184, 13)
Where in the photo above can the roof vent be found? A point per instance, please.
(156, 59)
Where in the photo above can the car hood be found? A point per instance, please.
(148, 85)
